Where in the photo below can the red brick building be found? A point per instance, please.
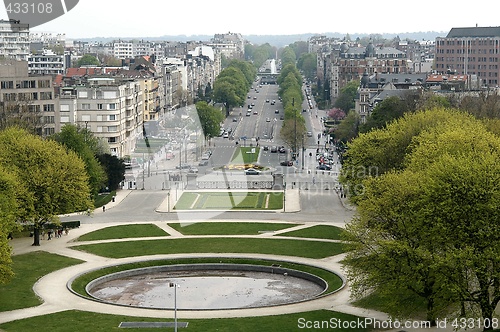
(472, 52)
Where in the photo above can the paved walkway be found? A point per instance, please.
(52, 288)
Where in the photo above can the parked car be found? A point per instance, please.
(193, 170)
(252, 171)
(286, 163)
(324, 167)
(183, 166)
(281, 149)
(309, 134)
(265, 147)
(274, 149)
(203, 163)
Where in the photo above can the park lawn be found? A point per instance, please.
(28, 268)
(299, 248)
(73, 320)
(317, 232)
(272, 200)
(244, 155)
(124, 232)
(228, 228)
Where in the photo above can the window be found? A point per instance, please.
(48, 119)
(48, 108)
(85, 106)
(7, 85)
(112, 106)
(112, 117)
(45, 95)
(112, 129)
(99, 106)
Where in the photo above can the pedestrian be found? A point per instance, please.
(10, 237)
(104, 208)
(314, 180)
(49, 234)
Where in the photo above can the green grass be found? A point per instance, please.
(230, 201)
(124, 232)
(79, 284)
(70, 321)
(310, 249)
(243, 155)
(317, 232)
(28, 268)
(227, 228)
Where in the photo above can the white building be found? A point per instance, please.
(46, 63)
(14, 40)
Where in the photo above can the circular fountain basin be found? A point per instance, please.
(206, 287)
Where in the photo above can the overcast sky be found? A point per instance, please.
(154, 18)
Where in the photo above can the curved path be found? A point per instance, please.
(56, 297)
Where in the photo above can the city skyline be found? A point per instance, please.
(92, 19)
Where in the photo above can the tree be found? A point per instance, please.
(114, 168)
(389, 109)
(230, 88)
(293, 131)
(21, 113)
(430, 227)
(210, 119)
(9, 196)
(345, 100)
(336, 114)
(307, 63)
(87, 60)
(379, 151)
(53, 179)
(347, 129)
(84, 144)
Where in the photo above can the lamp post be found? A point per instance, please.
(174, 285)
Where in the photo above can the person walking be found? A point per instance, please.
(104, 208)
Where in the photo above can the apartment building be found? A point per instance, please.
(470, 51)
(231, 45)
(28, 96)
(46, 63)
(14, 40)
(110, 107)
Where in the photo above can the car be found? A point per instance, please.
(265, 148)
(267, 100)
(183, 166)
(255, 97)
(276, 111)
(281, 149)
(274, 149)
(252, 171)
(309, 134)
(235, 120)
(268, 120)
(193, 170)
(203, 163)
(286, 163)
(225, 135)
(273, 102)
(255, 112)
(282, 117)
(249, 113)
(324, 167)
(205, 156)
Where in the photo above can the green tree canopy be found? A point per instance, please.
(430, 227)
(88, 60)
(83, 143)
(9, 197)
(210, 119)
(53, 178)
(347, 95)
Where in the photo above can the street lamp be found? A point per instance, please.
(174, 285)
